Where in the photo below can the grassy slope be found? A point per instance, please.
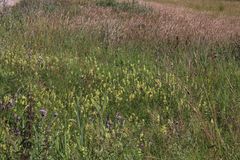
(107, 100)
(219, 7)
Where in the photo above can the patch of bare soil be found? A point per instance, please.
(8, 3)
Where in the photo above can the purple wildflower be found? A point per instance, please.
(43, 112)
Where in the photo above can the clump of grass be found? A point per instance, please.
(123, 6)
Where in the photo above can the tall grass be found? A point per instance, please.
(215, 7)
(79, 90)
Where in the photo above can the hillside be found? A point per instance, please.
(106, 79)
(217, 7)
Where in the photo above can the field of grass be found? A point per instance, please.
(106, 80)
(219, 7)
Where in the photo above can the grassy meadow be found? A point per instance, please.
(98, 79)
(216, 7)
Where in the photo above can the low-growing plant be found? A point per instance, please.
(130, 6)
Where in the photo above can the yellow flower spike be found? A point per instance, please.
(163, 129)
(212, 121)
(3, 147)
(141, 136)
(158, 118)
(38, 104)
(150, 94)
(132, 97)
(97, 93)
(181, 102)
(204, 104)
(165, 99)
(107, 135)
(144, 68)
(6, 98)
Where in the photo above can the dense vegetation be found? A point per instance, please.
(71, 89)
(219, 7)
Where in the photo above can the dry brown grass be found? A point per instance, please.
(167, 24)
